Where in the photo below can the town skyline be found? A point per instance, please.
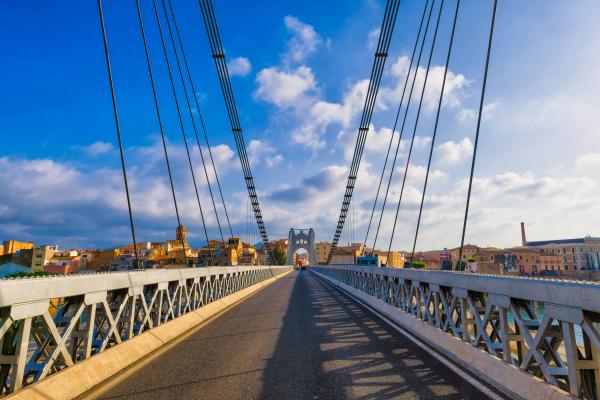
(301, 165)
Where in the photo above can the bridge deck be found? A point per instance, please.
(296, 339)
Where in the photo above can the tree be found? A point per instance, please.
(280, 256)
(32, 274)
(415, 264)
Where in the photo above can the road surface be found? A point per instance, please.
(298, 338)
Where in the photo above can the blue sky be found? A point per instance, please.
(299, 78)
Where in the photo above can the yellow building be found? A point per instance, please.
(104, 258)
(1, 249)
(322, 249)
(41, 256)
(13, 246)
(249, 255)
(395, 259)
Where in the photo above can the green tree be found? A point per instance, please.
(415, 264)
(31, 274)
(280, 256)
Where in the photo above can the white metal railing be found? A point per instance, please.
(547, 327)
(47, 324)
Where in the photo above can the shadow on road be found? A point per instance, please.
(329, 347)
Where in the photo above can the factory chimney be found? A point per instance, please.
(523, 237)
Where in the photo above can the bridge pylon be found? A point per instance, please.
(302, 239)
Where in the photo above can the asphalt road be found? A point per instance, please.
(296, 339)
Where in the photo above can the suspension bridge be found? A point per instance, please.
(272, 332)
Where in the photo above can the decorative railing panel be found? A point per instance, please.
(547, 327)
(47, 324)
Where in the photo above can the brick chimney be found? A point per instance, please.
(523, 237)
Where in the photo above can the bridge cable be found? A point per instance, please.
(193, 87)
(483, 86)
(367, 113)
(412, 141)
(408, 103)
(118, 129)
(160, 123)
(433, 136)
(381, 53)
(218, 55)
(178, 108)
(170, 31)
(394, 128)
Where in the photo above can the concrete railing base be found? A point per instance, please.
(82, 377)
(506, 378)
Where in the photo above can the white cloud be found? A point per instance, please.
(453, 92)
(239, 66)
(272, 161)
(96, 148)
(285, 89)
(305, 40)
(372, 38)
(468, 114)
(453, 152)
(588, 160)
(81, 205)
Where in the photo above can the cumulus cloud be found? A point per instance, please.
(260, 151)
(82, 205)
(239, 66)
(318, 188)
(453, 92)
(304, 41)
(453, 152)
(285, 89)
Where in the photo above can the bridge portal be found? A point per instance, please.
(302, 239)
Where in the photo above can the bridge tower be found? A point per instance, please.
(302, 239)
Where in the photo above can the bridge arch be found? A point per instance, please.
(302, 239)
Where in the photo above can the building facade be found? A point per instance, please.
(322, 249)
(41, 256)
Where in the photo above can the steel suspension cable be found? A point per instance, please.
(182, 125)
(435, 128)
(118, 129)
(395, 124)
(381, 53)
(483, 86)
(412, 141)
(193, 87)
(160, 123)
(178, 108)
(408, 103)
(218, 54)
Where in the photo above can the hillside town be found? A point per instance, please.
(575, 258)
